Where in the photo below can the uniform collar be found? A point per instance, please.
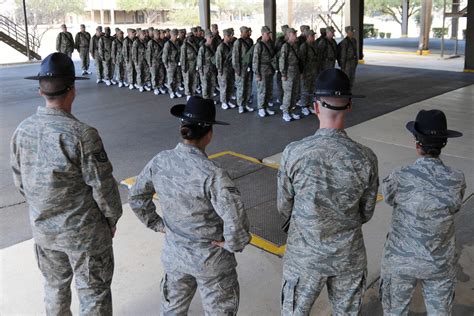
(428, 160)
(42, 110)
(331, 132)
(190, 149)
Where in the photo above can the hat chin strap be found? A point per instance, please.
(336, 108)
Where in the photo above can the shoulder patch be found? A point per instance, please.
(101, 156)
(233, 190)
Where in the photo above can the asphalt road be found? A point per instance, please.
(135, 126)
(411, 45)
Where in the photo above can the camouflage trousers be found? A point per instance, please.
(301, 289)
(264, 90)
(157, 72)
(85, 59)
(308, 87)
(226, 84)
(279, 85)
(396, 292)
(350, 69)
(99, 67)
(244, 87)
(190, 81)
(172, 77)
(180, 76)
(220, 294)
(108, 69)
(143, 72)
(119, 73)
(93, 274)
(328, 63)
(291, 87)
(131, 73)
(208, 83)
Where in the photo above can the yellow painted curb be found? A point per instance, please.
(361, 61)
(268, 246)
(468, 70)
(379, 197)
(389, 52)
(423, 52)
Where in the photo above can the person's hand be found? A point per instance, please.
(220, 244)
(113, 230)
(163, 230)
(284, 78)
(237, 73)
(259, 78)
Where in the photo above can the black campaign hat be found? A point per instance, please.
(197, 110)
(431, 124)
(334, 83)
(57, 65)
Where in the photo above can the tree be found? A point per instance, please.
(150, 8)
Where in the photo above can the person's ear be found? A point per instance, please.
(350, 106)
(316, 107)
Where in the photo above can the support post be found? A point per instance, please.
(455, 21)
(205, 13)
(92, 16)
(27, 40)
(469, 54)
(405, 6)
(290, 13)
(425, 25)
(269, 12)
(112, 17)
(354, 16)
(102, 17)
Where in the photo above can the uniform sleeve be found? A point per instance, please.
(183, 58)
(343, 51)
(283, 60)
(303, 53)
(256, 59)
(97, 173)
(286, 192)
(389, 188)
(76, 45)
(140, 199)
(369, 198)
(165, 54)
(58, 42)
(236, 57)
(225, 199)
(219, 60)
(148, 52)
(125, 51)
(91, 47)
(114, 52)
(15, 163)
(456, 206)
(199, 64)
(101, 48)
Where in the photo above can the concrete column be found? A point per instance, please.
(469, 54)
(425, 26)
(290, 13)
(455, 21)
(112, 17)
(101, 17)
(354, 16)
(92, 16)
(269, 12)
(406, 5)
(205, 13)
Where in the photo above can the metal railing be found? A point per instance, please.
(18, 33)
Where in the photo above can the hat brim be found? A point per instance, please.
(449, 133)
(340, 96)
(45, 77)
(178, 110)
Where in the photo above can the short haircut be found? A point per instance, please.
(51, 86)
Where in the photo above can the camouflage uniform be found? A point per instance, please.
(278, 45)
(420, 245)
(309, 58)
(82, 43)
(94, 51)
(105, 53)
(206, 65)
(73, 203)
(188, 59)
(200, 204)
(348, 58)
(289, 65)
(127, 56)
(154, 53)
(243, 76)
(262, 66)
(327, 51)
(328, 184)
(139, 60)
(225, 71)
(118, 60)
(65, 43)
(170, 60)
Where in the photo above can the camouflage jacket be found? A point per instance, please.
(127, 50)
(82, 40)
(60, 166)
(200, 204)
(94, 46)
(348, 52)
(425, 196)
(289, 63)
(105, 47)
(64, 42)
(309, 57)
(154, 52)
(170, 54)
(139, 52)
(189, 53)
(239, 49)
(206, 60)
(117, 51)
(263, 57)
(328, 184)
(327, 50)
(224, 58)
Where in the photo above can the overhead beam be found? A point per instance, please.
(354, 16)
(205, 13)
(469, 53)
(269, 13)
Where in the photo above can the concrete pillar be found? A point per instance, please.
(455, 21)
(101, 17)
(112, 17)
(290, 14)
(425, 27)
(205, 13)
(92, 16)
(354, 16)
(269, 12)
(405, 6)
(469, 53)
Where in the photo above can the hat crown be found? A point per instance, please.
(57, 65)
(199, 109)
(333, 82)
(431, 122)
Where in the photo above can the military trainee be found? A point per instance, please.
(327, 50)
(73, 198)
(188, 58)
(171, 54)
(65, 41)
(105, 54)
(154, 54)
(127, 56)
(327, 187)
(82, 42)
(224, 70)
(308, 53)
(94, 51)
(118, 61)
(203, 217)
(420, 246)
(206, 65)
(348, 56)
(141, 65)
(242, 69)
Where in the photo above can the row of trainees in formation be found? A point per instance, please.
(327, 188)
(202, 62)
